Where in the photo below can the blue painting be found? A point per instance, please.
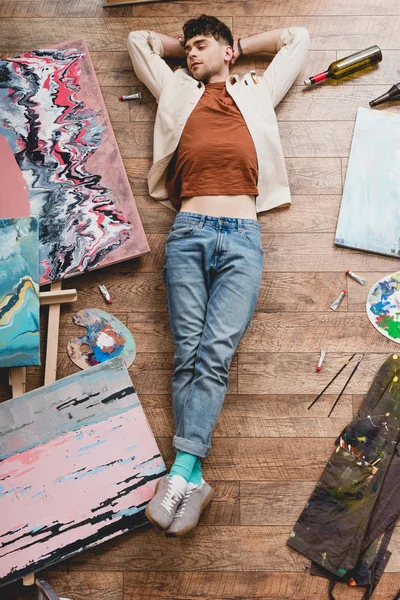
(19, 292)
(369, 216)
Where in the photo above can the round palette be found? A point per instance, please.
(383, 306)
(106, 337)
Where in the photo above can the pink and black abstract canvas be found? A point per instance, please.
(53, 116)
(78, 465)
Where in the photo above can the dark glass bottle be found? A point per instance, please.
(392, 94)
(349, 64)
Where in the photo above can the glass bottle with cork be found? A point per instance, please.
(348, 64)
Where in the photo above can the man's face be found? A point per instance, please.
(206, 57)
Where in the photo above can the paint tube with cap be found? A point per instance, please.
(105, 293)
(338, 300)
(131, 96)
(321, 359)
(357, 278)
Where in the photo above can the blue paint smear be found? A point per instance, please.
(101, 356)
(126, 460)
(153, 470)
(101, 468)
(19, 528)
(81, 474)
(86, 448)
(131, 448)
(382, 307)
(150, 460)
(126, 512)
(38, 494)
(9, 491)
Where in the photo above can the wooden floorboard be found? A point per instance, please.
(268, 448)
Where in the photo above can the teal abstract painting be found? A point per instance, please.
(369, 216)
(19, 292)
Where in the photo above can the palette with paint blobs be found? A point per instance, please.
(383, 306)
(105, 338)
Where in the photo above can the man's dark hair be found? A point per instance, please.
(207, 25)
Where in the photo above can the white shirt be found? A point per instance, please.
(177, 94)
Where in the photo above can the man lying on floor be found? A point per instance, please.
(218, 162)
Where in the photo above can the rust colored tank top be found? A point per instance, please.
(216, 154)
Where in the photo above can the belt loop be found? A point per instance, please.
(240, 225)
(202, 221)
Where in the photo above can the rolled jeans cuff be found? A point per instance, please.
(191, 447)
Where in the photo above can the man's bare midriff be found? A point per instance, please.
(238, 207)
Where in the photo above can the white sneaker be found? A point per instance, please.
(170, 491)
(188, 514)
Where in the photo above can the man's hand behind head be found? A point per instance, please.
(235, 53)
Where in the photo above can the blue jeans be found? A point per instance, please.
(212, 273)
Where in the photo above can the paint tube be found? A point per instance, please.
(131, 96)
(321, 359)
(338, 301)
(357, 278)
(105, 293)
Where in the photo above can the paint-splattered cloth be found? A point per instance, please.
(358, 495)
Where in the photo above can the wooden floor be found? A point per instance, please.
(268, 450)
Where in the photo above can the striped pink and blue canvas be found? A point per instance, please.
(78, 465)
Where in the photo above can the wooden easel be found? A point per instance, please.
(53, 327)
(17, 379)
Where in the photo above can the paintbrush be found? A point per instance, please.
(331, 381)
(345, 386)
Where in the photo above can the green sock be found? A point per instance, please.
(196, 476)
(183, 464)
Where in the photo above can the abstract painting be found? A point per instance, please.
(106, 337)
(19, 292)
(369, 214)
(53, 116)
(383, 306)
(78, 465)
